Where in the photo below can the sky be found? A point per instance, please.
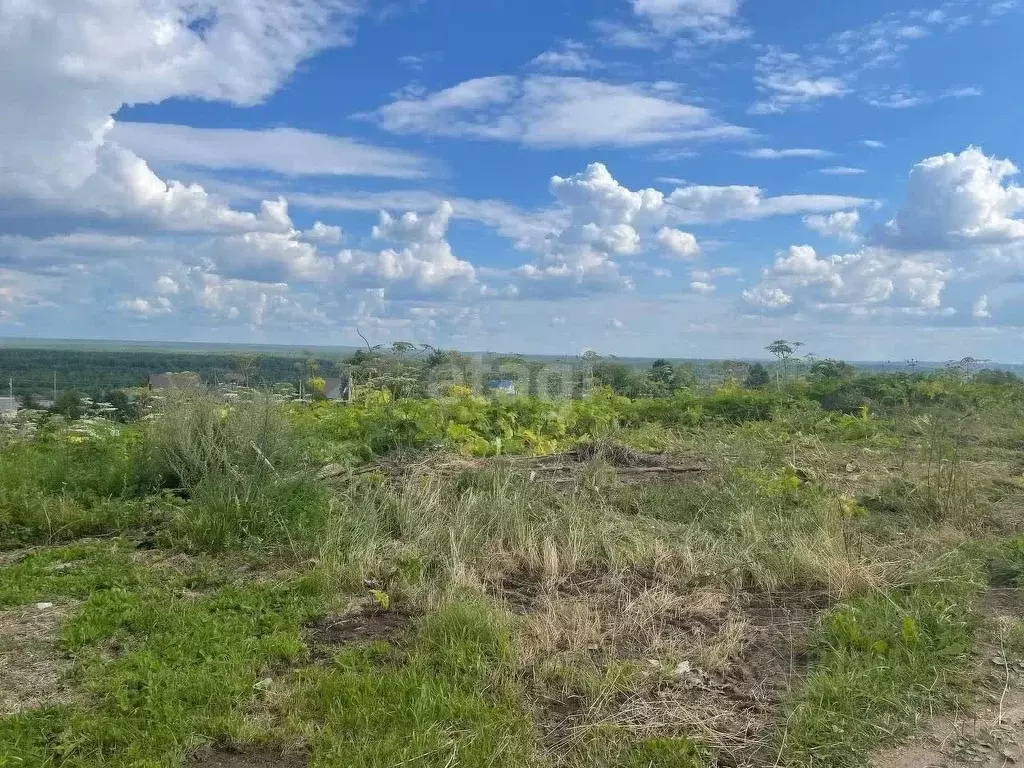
(687, 178)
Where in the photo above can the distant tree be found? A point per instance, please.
(316, 387)
(757, 377)
(783, 351)
(662, 372)
(245, 365)
(69, 404)
(832, 370)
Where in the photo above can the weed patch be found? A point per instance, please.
(876, 662)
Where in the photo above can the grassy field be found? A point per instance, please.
(740, 578)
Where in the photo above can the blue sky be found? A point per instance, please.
(639, 177)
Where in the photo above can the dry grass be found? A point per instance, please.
(32, 668)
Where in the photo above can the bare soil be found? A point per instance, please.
(246, 757)
(359, 627)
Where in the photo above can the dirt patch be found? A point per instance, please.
(32, 668)
(246, 757)
(359, 627)
(709, 664)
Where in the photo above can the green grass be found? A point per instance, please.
(161, 675)
(449, 698)
(75, 571)
(878, 662)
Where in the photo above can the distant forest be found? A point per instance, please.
(93, 372)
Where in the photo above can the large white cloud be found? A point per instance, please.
(956, 201)
(868, 281)
(67, 66)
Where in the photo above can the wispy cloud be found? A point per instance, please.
(766, 153)
(569, 56)
(550, 111)
(842, 170)
(280, 150)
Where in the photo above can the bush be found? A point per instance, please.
(737, 405)
(242, 470)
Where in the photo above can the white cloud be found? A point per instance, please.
(841, 224)
(955, 201)
(787, 81)
(871, 281)
(549, 111)
(687, 22)
(842, 170)
(326, 234)
(981, 310)
(708, 275)
(962, 93)
(766, 297)
(166, 285)
(146, 308)
(897, 99)
(605, 220)
(858, 60)
(570, 56)
(678, 244)
(705, 204)
(286, 151)
(412, 228)
(704, 288)
(873, 144)
(70, 65)
(766, 153)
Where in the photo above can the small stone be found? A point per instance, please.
(264, 684)
(44, 606)
(683, 668)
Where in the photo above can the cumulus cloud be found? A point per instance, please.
(64, 80)
(841, 224)
(958, 200)
(146, 308)
(870, 281)
(605, 220)
(550, 111)
(678, 244)
(326, 234)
